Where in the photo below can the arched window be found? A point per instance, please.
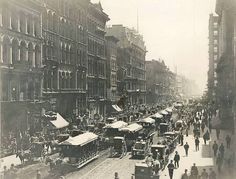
(5, 17)
(23, 51)
(14, 20)
(68, 55)
(37, 56)
(15, 50)
(29, 24)
(22, 22)
(30, 54)
(36, 27)
(63, 56)
(45, 19)
(6, 50)
(54, 22)
(50, 23)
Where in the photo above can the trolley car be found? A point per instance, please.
(80, 150)
(131, 133)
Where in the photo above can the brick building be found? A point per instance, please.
(213, 55)
(131, 54)
(65, 55)
(20, 62)
(96, 80)
(111, 69)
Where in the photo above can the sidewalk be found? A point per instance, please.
(202, 158)
(226, 173)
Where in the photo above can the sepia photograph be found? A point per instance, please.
(117, 89)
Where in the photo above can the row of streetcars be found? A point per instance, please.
(120, 136)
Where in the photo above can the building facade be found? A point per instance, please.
(131, 64)
(20, 63)
(161, 83)
(213, 55)
(226, 65)
(65, 55)
(111, 72)
(96, 80)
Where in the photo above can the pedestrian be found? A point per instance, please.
(116, 175)
(197, 141)
(210, 127)
(186, 132)
(194, 171)
(38, 175)
(149, 160)
(176, 159)
(228, 141)
(206, 137)
(171, 168)
(204, 174)
(186, 147)
(218, 134)
(6, 173)
(222, 150)
(219, 162)
(156, 166)
(215, 148)
(181, 139)
(202, 126)
(185, 175)
(212, 174)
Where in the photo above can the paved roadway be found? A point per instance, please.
(125, 166)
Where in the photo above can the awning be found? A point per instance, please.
(117, 108)
(59, 122)
(116, 125)
(163, 112)
(148, 120)
(132, 127)
(168, 110)
(158, 115)
(80, 140)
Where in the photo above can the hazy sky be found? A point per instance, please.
(173, 30)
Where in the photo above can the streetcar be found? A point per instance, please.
(119, 147)
(149, 128)
(131, 133)
(80, 150)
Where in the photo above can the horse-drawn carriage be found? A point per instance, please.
(172, 139)
(143, 171)
(161, 153)
(140, 148)
(119, 147)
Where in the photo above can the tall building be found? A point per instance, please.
(213, 55)
(226, 66)
(65, 55)
(111, 69)
(20, 63)
(96, 21)
(131, 54)
(161, 83)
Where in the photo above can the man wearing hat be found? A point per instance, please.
(171, 168)
(149, 160)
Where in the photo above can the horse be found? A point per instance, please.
(24, 156)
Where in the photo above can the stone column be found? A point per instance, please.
(10, 54)
(76, 80)
(33, 58)
(1, 53)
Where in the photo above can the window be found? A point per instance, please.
(22, 22)
(215, 57)
(30, 54)
(37, 57)
(14, 20)
(6, 50)
(215, 33)
(15, 53)
(215, 42)
(23, 51)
